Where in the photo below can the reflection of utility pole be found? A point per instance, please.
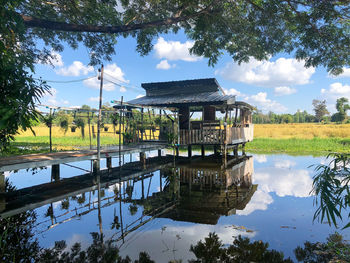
(99, 119)
(99, 206)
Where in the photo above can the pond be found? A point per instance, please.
(165, 211)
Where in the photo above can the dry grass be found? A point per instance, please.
(301, 131)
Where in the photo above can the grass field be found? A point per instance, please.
(290, 138)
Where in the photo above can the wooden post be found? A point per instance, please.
(55, 172)
(203, 150)
(142, 124)
(177, 150)
(109, 163)
(159, 153)
(50, 129)
(89, 129)
(189, 148)
(93, 131)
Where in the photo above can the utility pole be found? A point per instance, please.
(99, 120)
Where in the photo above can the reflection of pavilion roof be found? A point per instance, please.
(209, 191)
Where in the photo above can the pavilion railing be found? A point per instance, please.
(218, 135)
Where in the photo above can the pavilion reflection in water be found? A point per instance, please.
(206, 190)
(198, 189)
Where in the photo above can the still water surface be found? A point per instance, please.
(263, 197)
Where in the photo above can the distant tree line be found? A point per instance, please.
(321, 114)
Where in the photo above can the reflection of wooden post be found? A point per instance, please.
(243, 149)
(2, 190)
(95, 166)
(216, 151)
(202, 150)
(55, 172)
(235, 151)
(142, 188)
(2, 182)
(109, 163)
(189, 147)
(143, 158)
(159, 153)
(177, 150)
(160, 181)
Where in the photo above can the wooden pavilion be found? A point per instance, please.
(205, 97)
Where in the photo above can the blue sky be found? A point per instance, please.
(280, 84)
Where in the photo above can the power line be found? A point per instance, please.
(68, 81)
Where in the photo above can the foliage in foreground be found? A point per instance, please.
(334, 250)
(331, 186)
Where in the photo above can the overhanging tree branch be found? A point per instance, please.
(30, 21)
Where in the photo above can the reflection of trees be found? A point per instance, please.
(242, 250)
(133, 209)
(65, 204)
(81, 199)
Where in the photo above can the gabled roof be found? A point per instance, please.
(193, 86)
(194, 92)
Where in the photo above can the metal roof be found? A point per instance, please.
(181, 86)
(192, 99)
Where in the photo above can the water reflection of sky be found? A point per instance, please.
(280, 212)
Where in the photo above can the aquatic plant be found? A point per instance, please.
(331, 186)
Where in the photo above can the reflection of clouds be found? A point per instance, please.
(259, 201)
(7, 174)
(260, 158)
(280, 179)
(284, 182)
(111, 188)
(286, 164)
(174, 242)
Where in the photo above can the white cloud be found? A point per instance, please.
(335, 91)
(112, 73)
(76, 69)
(282, 72)
(260, 158)
(51, 98)
(284, 164)
(122, 89)
(345, 74)
(164, 64)
(296, 183)
(94, 99)
(56, 61)
(284, 90)
(259, 201)
(174, 50)
(261, 101)
(232, 91)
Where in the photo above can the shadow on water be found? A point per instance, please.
(197, 190)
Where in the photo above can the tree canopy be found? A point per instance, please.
(311, 30)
